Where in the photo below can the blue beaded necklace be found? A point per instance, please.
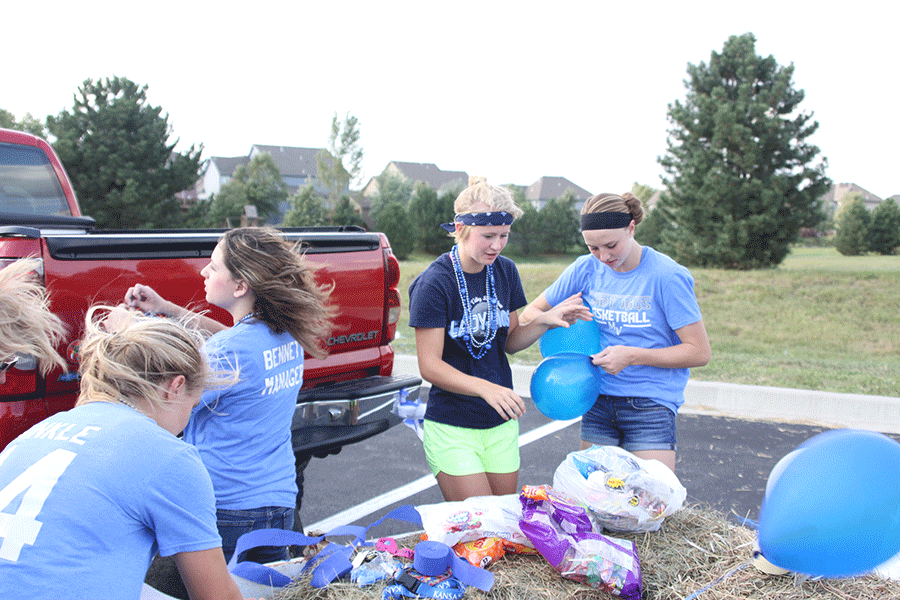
(477, 348)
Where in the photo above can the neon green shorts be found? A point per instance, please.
(461, 451)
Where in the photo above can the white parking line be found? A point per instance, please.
(355, 513)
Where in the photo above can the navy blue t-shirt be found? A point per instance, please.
(434, 301)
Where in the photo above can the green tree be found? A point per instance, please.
(307, 209)
(341, 162)
(559, 224)
(346, 213)
(391, 188)
(427, 210)
(652, 229)
(28, 123)
(525, 234)
(742, 175)
(115, 147)
(852, 227)
(643, 192)
(258, 183)
(884, 232)
(393, 221)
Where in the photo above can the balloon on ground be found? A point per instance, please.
(833, 507)
(583, 337)
(565, 385)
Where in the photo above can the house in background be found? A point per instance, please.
(833, 200)
(427, 173)
(552, 188)
(298, 168)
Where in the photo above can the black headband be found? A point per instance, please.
(490, 219)
(605, 220)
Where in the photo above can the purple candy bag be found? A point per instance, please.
(561, 530)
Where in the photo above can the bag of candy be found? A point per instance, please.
(624, 492)
(561, 530)
(473, 519)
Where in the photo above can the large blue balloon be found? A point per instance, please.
(564, 386)
(833, 509)
(582, 336)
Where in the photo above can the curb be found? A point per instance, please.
(829, 409)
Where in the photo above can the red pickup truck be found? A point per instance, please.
(346, 397)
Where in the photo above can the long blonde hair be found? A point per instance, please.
(495, 197)
(27, 326)
(135, 358)
(288, 298)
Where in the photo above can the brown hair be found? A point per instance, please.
(27, 326)
(480, 191)
(626, 203)
(288, 298)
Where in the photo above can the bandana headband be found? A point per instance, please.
(605, 220)
(489, 219)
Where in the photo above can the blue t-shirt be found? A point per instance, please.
(641, 308)
(434, 301)
(89, 496)
(243, 432)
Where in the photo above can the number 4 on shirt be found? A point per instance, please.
(37, 482)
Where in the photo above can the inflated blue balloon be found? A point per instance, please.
(583, 337)
(834, 508)
(564, 386)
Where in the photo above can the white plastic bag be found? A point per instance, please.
(474, 518)
(624, 492)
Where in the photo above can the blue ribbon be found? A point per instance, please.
(331, 563)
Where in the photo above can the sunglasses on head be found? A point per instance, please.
(6, 365)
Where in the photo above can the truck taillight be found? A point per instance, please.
(392, 302)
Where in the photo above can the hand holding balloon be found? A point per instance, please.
(576, 331)
(613, 359)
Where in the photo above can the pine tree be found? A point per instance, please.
(427, 210)
(115, 147)
(307, 209)
(742, 176)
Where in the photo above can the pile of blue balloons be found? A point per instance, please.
(832, 506)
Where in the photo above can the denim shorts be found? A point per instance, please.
(462, 451)
(631, 423)
(235, 523)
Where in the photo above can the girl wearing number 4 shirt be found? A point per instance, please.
(243, 433)
(88, 496)
(653, 332)
(464, 310)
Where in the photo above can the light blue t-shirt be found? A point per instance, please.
(641, 308)
(88, 496)
(243, 433)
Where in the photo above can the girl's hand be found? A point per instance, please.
(505, 401)
(144, 298)
(613, 359)
(567, 312)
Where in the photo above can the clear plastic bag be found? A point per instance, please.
(622, 491)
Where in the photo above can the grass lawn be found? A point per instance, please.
(820, 321)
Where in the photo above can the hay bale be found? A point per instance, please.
(698, 551)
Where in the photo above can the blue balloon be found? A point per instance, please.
(833, 510)
(583, 337)
(564, 386)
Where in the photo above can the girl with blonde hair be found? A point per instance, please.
(653, 332)
(243, 433)
(97, 490)
(27, 327)
(464, 311)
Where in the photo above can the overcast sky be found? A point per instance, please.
(510, 90)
